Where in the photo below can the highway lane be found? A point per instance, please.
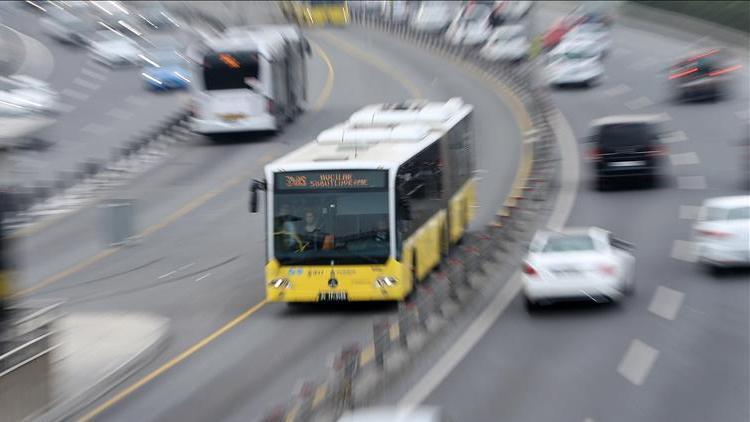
(650, 358)
(209, 279)
(101, 108)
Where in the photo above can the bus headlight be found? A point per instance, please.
(280, 283)
(385, 282)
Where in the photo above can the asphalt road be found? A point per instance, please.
(102, 108)
(201, 257)
(679, 350)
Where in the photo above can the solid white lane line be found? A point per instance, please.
(691, 182)
(95, 128)
(666, 302)
(119, 113)
(637, 362)
(569, 179)
(683, 250)
(460, 348)
(616, 90)
(684, 159)
(676, 136)
(93, 74)
(77, 95)
(689, 212)
(639, 103)
(202, 277)
(167, 274)
(86, 84)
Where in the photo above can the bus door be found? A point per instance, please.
(234, 84)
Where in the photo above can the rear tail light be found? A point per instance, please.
(607, 269)
(270, 106)
(725, 70)
(683, 73)
(595, 154)
(657, 151)
(713, 233)
(529, 270)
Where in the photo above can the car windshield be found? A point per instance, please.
(319, 217)
(721, 214)
(626, 134)
(569, 244)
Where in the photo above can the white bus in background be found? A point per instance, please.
(250, 79)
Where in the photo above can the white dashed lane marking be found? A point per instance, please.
(672, 137)
(95, 129)
(637, 362)
(93, 74)
(616, 90)
(86, 84)
(666, 302)
(167, 274)
(119, 113)
(691, 182)
(639, 103)
(77, 95)
(689, 212)
(202, 277)
(683, 250)
(684, 159)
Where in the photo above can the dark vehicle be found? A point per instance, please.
(626, 148)
(701, 76)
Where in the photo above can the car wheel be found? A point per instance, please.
(602, 184)
(530, 305)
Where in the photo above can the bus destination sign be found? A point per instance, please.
(331, 179)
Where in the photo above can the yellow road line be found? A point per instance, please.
(328, 87)
(172, 362)
(367, 355)
(394, 332)
(320, 394)
(414, 92)
(292, 415)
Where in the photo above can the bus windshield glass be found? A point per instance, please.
(324, 216)
(229, 70)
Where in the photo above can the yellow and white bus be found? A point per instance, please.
(371, 206)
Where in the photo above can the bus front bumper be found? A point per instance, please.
(348, 295)
(264, 122)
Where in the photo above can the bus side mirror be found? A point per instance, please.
(255, 186)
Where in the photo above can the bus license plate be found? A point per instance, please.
(332, 297)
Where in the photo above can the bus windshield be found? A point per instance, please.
(324, 216)
(229, 70)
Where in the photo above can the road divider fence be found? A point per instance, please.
(489, 256)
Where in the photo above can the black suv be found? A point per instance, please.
(626, 147)
(701, 76)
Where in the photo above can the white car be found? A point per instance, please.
(722, 233)
(115, 50)
(432, 17)
(509, 42)
(66, 27)
(22, 95)
(581, 264)
(574, 62)
(598, 33)
(471, 27)
(395, 414)
(395, 11)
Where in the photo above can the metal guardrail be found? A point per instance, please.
(493, 252)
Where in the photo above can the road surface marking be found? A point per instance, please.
(569, 179)
(463, 345)
(328, 87)
(742, 114)
(33, 3)
(375, 61)
(77, 95)
(684, 159)
(637, 362)
(95, 128)
(689, 212)
(666, 302)
(691, 182)
(639, 103)
(167, 274)
(172, 362)
(204, 276)
(86, 84)
(588, 420)
(93, 74)
(683, 250)
(616, 90)
(121, 114)
(320, 394)
(185, 267)
(66, 108)
(672, 137)
(137, 101)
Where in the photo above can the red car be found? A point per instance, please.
(556, 32)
